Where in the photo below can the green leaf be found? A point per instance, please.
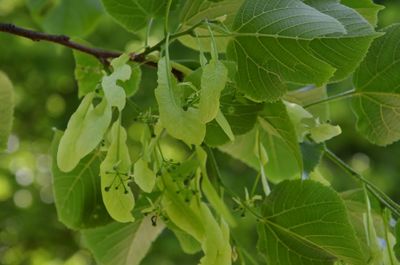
(306, 223)
(357, 209)
(188, 244)
(312, 154)
(132, 85)
(280, 142)
(390, 240)
(77, 193)
(371, 234)
(196, 219)
(71, 17)
(84, 132)
(240, 113)
(303, 42)
(121, 244)
(181, 124)
(367, 8)
(213, 80)
(115, 171)
(377, 82)
(216, 247)
(224, 124)
(243, 149)
(195, 11)
(6, 109)
(283, 161)
(134, 14)
(396, 247)
(144, 177)
(88, 72)
(184, 215)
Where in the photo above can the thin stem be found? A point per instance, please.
(214, 51)
(149, 26)
(102, 55)
(344, 95)
(167, 11)
(368, 217)
(386, 221)
(253, 190)
(174, 36)
(214, 166)
(381, 196)
(233, 194)
(62, 40)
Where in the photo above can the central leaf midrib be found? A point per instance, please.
(296, 38)
(300, 238)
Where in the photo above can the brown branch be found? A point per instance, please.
(101, 54)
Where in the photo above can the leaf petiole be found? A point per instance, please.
(380, 195)
(344, 95)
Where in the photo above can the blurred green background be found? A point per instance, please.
(46, 96)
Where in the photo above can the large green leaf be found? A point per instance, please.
(6, 109)
(122, 244)
(367, 8)
(377, 81)
(183, 125)
(134, 14)
(72, 17)
(306, 223)
(77, 193)
(304, 42)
